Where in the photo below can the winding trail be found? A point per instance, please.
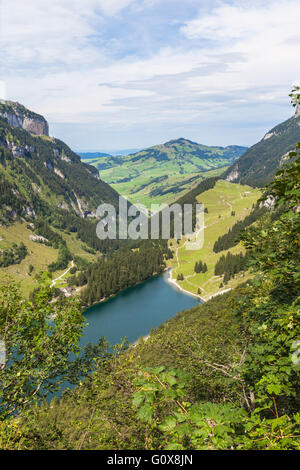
(62, 275)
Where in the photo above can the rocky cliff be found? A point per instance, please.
(19, 116)
(41, 176)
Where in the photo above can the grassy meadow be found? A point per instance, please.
(220, 201)
(164, 172)
(39, 256)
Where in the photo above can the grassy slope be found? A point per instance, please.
(219, 201)
(39, 255)
(164, 172)
(139, 189)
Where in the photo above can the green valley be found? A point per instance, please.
(40, 255)
(164, 172)
(149, 230)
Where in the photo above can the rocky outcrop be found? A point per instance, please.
(59, 173)
(95, 174)
(234, 174)
(268, 135)
(18, 116)
(65, 158)
(38, 239)
(48, 164)
(19, 151)
(268, 203)
(41, 174)
(257, 166)
(284, 158)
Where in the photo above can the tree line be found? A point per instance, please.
(125, 268)
(231, 238)
(230, 265)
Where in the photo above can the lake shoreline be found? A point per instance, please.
(177, 286)
(133, 312)
(174, 283)
(153, 295)
(105, 299)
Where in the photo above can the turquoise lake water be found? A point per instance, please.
(133, 312)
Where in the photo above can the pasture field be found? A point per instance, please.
(220, 202)
(164, 172)
(39, 255)
(165, 188)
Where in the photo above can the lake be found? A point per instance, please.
(133, 312)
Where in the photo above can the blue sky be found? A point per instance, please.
(113, 74)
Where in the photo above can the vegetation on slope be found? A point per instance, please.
(256, 167)
(226, 205)
(13, 255)
(231, 238)
(125, 268)
(45, 184)
(164, 172)
(224, 375)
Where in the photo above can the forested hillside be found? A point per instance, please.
(258, 164)
(123, 268)
(48, 202)
(40, 174)
(224, 375)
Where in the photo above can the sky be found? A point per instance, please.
(115, 74)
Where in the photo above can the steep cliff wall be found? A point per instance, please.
(18, 116)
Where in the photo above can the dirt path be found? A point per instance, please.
(62, 275)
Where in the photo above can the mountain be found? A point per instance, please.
(258, 164)
(48, 201)
(163, 172)
(185, 155)
(38, 172)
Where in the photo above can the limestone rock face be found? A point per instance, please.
(36, 126)
(19, 116)
(234, 174)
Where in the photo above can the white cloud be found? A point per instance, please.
(2, 90)
(57, 62)
(275, 21)
(111, 7)
(266, 35)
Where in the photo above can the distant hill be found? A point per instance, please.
(92, 155)
(258, 164)
(162, 172)
(87, 155)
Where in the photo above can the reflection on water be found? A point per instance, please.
(133, 312)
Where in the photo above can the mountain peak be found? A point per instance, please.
(180, 140)
(297, 112)
(19, 116)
